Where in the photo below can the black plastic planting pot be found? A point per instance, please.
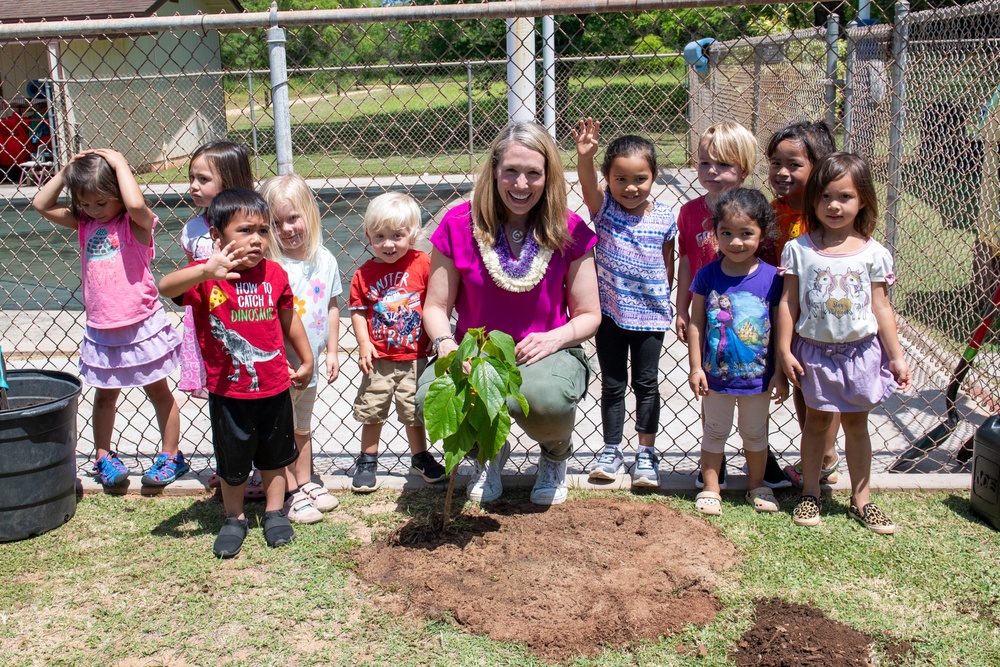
(985, 497)
(37, 453)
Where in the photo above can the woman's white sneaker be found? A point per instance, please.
(486, 486)
(550, 487)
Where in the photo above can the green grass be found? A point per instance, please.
(406, 129)
(132, 581)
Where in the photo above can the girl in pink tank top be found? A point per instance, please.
(128, 340)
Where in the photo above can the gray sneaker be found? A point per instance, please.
(550, 487)
(646, 471)
(609, 464)
(486, 485)
(364, 479)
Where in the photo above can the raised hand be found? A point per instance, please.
(222, 262)
(111, 156)
(586, 138)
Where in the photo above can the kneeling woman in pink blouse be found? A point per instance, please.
(516, 260)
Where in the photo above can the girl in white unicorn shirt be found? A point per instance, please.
(836, 329)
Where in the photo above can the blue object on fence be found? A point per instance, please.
(39, 88)
(694, 54)
(3, 372)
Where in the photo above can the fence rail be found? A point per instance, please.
(405, 97)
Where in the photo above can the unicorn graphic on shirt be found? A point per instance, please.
(854, 287)
(822, 287)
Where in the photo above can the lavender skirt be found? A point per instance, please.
(844, 377)
(132, 356)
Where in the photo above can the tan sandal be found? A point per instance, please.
(708, 502)
(762, 499)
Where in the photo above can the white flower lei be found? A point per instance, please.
(510, 283)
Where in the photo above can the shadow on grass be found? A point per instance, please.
(960, 506)
(205, 517)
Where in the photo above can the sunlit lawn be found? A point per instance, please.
(132, 582)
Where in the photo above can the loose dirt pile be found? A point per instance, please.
(567, 581)
(792, 635)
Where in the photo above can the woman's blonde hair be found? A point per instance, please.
(292, 189)
(393, 211)
(547, 219)
(731, 143)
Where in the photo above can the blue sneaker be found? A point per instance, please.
(165, 469)
(111, 470)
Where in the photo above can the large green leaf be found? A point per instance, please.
(493, 435)
(519, 397)
(456, 447)
(505, 345)
(502, 369)
(490, 387)
(469, 346)
(514, 379)
(442, 408)
(441, 364)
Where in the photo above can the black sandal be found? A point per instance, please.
(230, 539)
(278, 529)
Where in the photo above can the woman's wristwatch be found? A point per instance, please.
(437, 342)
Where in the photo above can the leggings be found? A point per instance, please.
(718, 409)
(614, 346)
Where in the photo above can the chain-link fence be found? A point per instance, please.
(408, 98)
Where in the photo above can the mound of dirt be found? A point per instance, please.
(566, 581)
(791, 635)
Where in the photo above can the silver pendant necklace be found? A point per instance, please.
(517, 235)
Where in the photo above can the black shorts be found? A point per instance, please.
(247, 431)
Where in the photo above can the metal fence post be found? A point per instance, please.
(549, 74)
(253, 122)
(755, 108)
(279, 94)
(897, 121)
(832, 60)
(521, 70)
(849, 65)
(468, 79)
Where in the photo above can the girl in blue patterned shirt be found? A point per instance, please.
(635, 272)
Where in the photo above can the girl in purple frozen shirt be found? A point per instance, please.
(729, 346)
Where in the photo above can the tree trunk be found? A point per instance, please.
(447, 498)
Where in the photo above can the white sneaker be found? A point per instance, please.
(550, 487)
(321, 499)
(299, 509)
(486, 486)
